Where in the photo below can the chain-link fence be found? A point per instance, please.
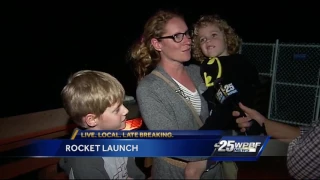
(294, 70)
(261, 55)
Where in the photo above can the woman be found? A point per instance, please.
(169, 92)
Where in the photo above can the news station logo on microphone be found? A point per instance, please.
(225, 91)
(239, 148)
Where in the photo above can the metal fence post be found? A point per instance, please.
(317, 110)
(273, 72)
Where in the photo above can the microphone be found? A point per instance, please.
(227, 93)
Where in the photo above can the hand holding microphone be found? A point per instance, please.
(250, 114)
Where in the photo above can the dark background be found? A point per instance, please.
(42, 43)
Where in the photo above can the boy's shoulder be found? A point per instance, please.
(94, 167)
(81, 162)
(80, 167)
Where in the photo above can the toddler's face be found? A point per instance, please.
(212, 41)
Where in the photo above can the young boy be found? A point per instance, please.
(215, 45)
(93, 100)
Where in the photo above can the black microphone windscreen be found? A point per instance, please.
(218, 81)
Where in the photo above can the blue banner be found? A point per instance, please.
(149, 134)
(117, 148)
(148, 144)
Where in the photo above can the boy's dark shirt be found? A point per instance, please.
(245, 78)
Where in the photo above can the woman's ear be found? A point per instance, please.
(156, 44)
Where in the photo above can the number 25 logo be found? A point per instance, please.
(226, 146)
(229, 87)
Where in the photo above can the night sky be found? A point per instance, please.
(45, 43)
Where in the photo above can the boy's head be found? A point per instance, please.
(93, 100)
(213, 37)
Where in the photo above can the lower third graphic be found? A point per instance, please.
(239, 148)
(233, 146)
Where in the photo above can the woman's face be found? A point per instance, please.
(175, 43)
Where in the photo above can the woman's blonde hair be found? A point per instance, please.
(232, 40)
(142, 53)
